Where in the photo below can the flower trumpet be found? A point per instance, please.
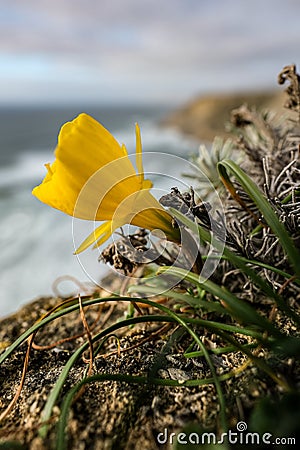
(92, 178)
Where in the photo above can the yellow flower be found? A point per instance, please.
(92, 178)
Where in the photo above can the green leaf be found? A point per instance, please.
(237, 307)
(266, 210)
(238, 261)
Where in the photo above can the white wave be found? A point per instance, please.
(29, 166)
(36, 249)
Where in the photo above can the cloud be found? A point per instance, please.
(168, 48)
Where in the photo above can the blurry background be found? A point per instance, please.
(121, 61)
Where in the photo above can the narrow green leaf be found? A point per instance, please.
(238, 307)
(190, 300)
(266, 210)
(237, 261)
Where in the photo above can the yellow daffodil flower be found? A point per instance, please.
(93, 178)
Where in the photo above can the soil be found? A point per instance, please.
(114, 414)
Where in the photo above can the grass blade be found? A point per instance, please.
(237, 261)
(267, 211)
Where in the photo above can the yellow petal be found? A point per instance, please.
(140, 209)
(143, 210)
(106, 189)
(84, 146)
(103, 232)
(147, 184)
(139, 159)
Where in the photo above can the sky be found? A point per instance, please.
(142, 51)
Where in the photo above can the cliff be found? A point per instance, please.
(205, 117)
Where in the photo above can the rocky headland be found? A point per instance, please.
(205, 117)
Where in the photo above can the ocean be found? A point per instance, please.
(37, 242)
